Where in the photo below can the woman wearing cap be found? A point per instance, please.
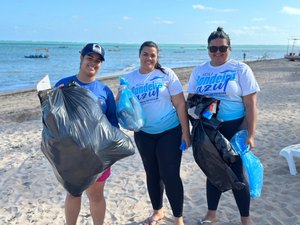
(91, 58)
(234, 84)
(166, 127)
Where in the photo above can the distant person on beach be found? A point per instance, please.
(244, 56)
(166, 126)
(91, 58)
(234, 84)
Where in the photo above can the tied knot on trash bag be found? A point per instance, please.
(129, 110)
(77, 138)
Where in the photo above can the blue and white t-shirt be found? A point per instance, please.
(154, 91)
(227, 83)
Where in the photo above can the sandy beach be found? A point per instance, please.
(30, 193)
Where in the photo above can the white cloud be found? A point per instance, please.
(290, 10)
(256, 19)
(167, 21)
(271, 28)
(77, 17)
(202, 8)
(126, 18)
(257, 30)
(159, 20)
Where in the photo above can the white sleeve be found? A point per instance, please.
(247, 80)
(192, 85)
(174, 86)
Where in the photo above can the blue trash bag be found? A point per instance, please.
(129, 110)
(253, 167)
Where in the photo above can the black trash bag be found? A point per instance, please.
(77, 138)
(212, 151)
(224, 147)
(202, 102)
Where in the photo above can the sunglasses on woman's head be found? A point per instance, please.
(214, 49)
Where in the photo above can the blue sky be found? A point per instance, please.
(163, 21)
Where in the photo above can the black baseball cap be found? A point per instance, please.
(93, 48)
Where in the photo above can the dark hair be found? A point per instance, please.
(219, 33)
(154, 45)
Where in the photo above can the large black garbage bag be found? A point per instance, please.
(212, 151)
(77, 138)
(224, 147)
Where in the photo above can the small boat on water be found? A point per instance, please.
(40, 53)
(293, 49)
(114, 49)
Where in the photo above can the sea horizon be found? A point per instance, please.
(135, 43)
(18, 73)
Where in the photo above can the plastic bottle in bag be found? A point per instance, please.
(210, 111)
(207, 114)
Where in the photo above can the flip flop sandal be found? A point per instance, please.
(151, 221)
(206, 222)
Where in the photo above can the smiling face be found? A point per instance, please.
(148, 59)
(219, 58)
(89, 66)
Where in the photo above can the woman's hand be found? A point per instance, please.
(181, 109)
(250, 142)
(186, 137)
(251, 117)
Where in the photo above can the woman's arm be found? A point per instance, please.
(251, 117)
(111, 109)
(180, 106)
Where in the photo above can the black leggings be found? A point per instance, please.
(161, 158)
(242, 197)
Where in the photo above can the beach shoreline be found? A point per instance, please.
(19, 73)
(30, 193)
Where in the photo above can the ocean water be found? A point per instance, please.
(18, 73)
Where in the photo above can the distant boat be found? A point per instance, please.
(293, 50)
(40, 53)
(114, 49)
(182, 51)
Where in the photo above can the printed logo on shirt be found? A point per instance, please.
(156, 77)
(210, 83)
(148, 92)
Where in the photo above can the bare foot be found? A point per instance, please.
(178, 220)
(211, 216)
(246, 220)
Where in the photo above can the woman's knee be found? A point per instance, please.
(95, 197)
(72, 197)
(95, 192)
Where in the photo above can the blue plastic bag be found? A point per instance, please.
(129, 110)
(251, 163)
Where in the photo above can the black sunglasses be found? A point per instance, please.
(214, 49)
